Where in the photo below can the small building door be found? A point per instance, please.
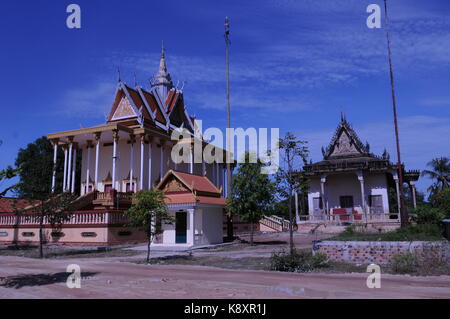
(376, 204)
(346, 201)
(181, 228)
(317, 208)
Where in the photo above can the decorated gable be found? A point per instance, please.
(344, 146)
(123, 110)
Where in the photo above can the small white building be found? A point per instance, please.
(352, 184)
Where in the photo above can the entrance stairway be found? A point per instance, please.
(274, 223)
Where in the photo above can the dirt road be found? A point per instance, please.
(112, 278)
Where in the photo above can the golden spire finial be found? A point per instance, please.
(162, 49)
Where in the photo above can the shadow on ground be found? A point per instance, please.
(270, 242)
(20, 281)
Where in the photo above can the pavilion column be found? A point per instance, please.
(65, 168)
(297, 216)
(132, 141)
(191, 233)
(363, 195)
(397, 187)
(88, 165)
(74, 168)
(161, 166)
(191, 159)
(97, 158)
(114, 158)
(413, 192)
(203, 163)
(150, 143)
(323, 179)
(55, 154)
(141, 170)
(69, 166)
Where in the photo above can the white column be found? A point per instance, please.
(97, 158)
(132, 141)
(115, 139)
(413, 191)
(55, 153)
(150, 142)
(88, 165)
(161, 166)
(323, 179)
(363, 193)
(74, 169)
(191, 159)
(297, 217)
(191, 232)
(65, 169)
(69, 168)
(397, 187)
(203, 164)
(141, 171)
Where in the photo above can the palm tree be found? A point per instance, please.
(440, 173)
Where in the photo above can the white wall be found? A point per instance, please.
(347, 184)
(123, 165)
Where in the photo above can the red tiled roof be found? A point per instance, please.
(199, 183)
(9, 205)
(154, 106)
(192, 199)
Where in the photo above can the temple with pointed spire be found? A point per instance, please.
(162, 82)
(131, 152)
(351, 184)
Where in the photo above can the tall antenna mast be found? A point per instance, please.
(403, 213)
(228, 158)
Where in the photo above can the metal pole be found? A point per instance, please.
(403, 213)
(227, 44)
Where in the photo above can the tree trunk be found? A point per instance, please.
(291, 230)
(251, 233)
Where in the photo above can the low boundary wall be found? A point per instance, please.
(378, 252)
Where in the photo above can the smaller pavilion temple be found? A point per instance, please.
(352, 184)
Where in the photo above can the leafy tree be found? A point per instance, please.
(54, 209)
(441, 201)
(148, 212)
(293, 155)
(440, 173)
(6, 174)
(36, 167)
(252, 192)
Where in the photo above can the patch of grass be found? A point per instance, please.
(419, 232)
(298, 261)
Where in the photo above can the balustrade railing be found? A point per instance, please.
(77, 218)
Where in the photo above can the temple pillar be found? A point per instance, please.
(141, 170)
(413, 193)
(397, 188)
(191, 231)
(297, 216)
(363, 195)
(55, 154)
(323, 179)
(114, 157)
(88, 165)
(150, 143)
(69, 163)
(65, 168)
(74, 168)
(132, 141)
(97, 158)
(191, 159)
(161, 166)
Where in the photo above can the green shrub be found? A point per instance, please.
(428, 215)
(404, 263)
(299, 261)
(442, 201)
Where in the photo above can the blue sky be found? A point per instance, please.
(294, 65)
